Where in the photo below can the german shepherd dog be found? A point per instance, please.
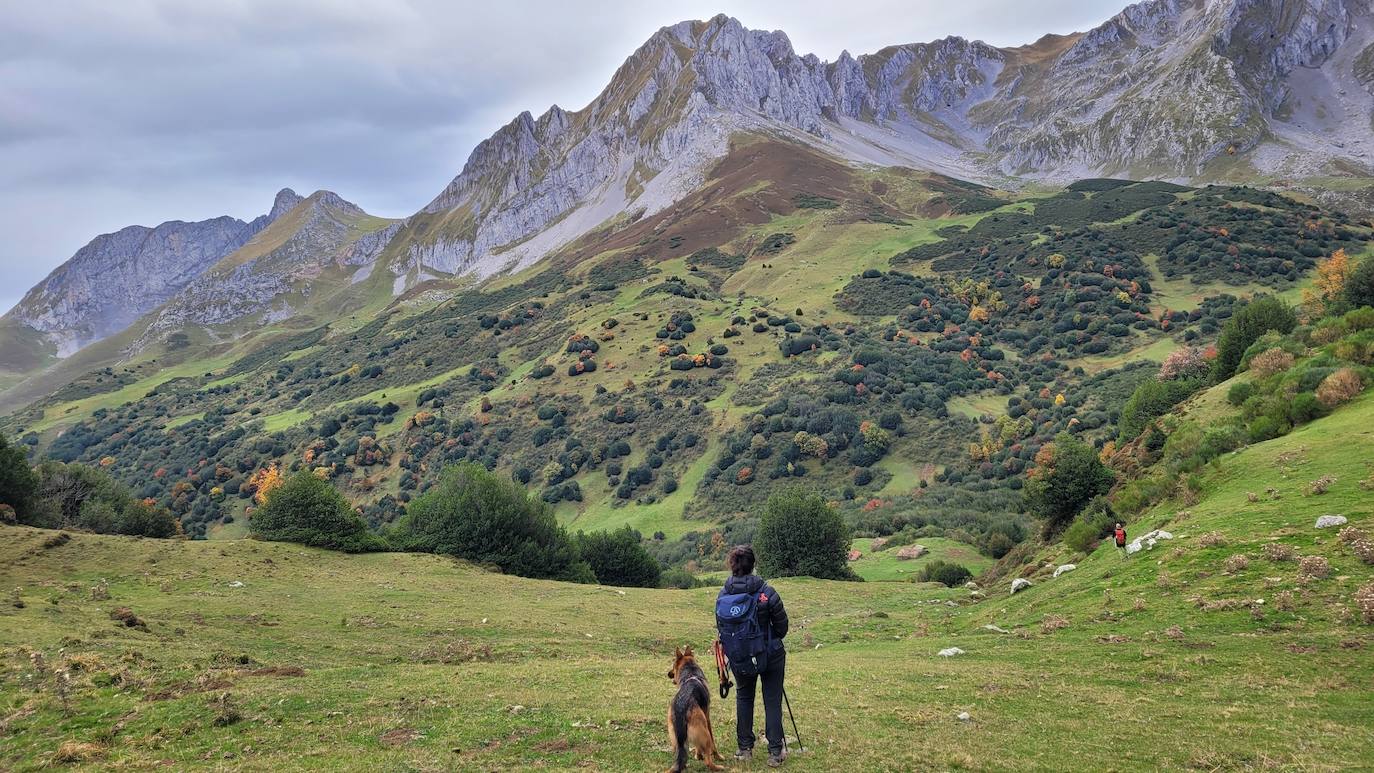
(689, 714)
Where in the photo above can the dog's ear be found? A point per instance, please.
(687, 653)
(677, 653)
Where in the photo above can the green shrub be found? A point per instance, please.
(81, 497)
(1151, 400)
(1240, 392)
(1141, 493)
(996, 543)
(1359, 288)
(18, 481)
(619, 558)
(801, 535)
(475, 515)
(1304, 407)
(946, 573)
(1059, 488)
(680, 578)
(1266, 428)
(1094, 523)
(1359, 319)
(1219, 439)
(309, 511)
(1254, 319)
(791, 346)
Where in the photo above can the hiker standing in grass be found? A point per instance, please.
(1120, 535)
(752, 623)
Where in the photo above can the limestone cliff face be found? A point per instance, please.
(117, 277)
(272, 276)
(1163, 89)
(1168, 86)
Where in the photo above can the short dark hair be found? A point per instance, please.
(740, 560)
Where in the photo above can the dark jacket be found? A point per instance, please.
(771, 613)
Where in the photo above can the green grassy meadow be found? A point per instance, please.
(884, 565)
(321, 661)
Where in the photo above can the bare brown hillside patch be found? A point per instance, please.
(756, 180)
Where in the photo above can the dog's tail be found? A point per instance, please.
(680, 711)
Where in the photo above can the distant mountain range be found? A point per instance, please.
(1271, 92)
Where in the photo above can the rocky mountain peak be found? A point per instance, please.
(334, 201)
(285, 201)
(119, 276)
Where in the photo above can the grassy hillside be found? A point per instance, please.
(1165, 660)
(883, 564)
(22, 351)
(902, 343)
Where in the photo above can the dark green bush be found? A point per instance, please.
(1058, 490)
(681, 579)
(1151, 400)
(1266, 428)
(18, 481)
(1304, 407)
(309, 511)
(475, 515)
(801, 535)
(619, 558)
(947, 573)
(1359, 288)
(1095, 522)
(1261, 315)
(81, 497)
(1240, 392)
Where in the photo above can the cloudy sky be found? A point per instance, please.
(141, 111)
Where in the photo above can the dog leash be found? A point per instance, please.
(722, 670)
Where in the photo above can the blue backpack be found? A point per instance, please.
(745, 642)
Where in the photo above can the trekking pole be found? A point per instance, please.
(800, 746)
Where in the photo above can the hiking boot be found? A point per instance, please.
(744, 754)
(776, 759)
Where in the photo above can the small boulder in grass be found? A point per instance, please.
(911, 551)
(877, 543)
(1019, 584)
(855, 555)
(1064, 568)
(1328, 521)
(950, 652)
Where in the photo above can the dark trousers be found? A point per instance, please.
(772, 704)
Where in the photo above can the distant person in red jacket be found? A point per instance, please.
(1120, 537)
